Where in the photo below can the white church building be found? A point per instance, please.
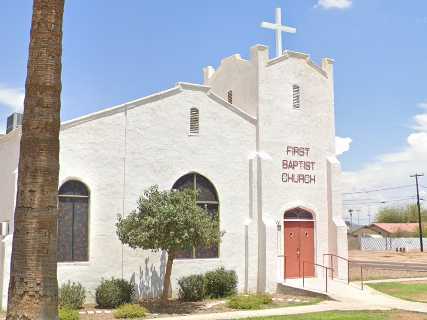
(257, 139)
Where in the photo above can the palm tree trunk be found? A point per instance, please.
(167, 280)
(33, 288)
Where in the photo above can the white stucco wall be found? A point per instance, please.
(159, 150)
(239, 76)
(280, 125)
(9, 156)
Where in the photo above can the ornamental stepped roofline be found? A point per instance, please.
(324, 69)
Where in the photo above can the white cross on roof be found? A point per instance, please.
(279, 28)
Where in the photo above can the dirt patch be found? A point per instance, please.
(377, 273)
(403, 315)
(388, 256)
(371, 273)
(415, 282)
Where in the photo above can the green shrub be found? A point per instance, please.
(72, 295)
(249, 302)
(68, 314)
(128, 311)
(191, 288)
(220, 283)
(113, 293)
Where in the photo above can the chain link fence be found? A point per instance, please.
(391, 244)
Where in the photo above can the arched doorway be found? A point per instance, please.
(298, 243)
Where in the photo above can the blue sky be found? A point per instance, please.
(115, 51)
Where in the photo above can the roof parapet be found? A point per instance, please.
(299, 55)
(328, 67)
(259, 54)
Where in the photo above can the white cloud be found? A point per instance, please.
(334, 4)
(342, 145)
(392, 169)
(12, 98)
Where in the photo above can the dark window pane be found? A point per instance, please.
(185, 182)
(80, 232)
(207, 252)
(305, 215)
(298, 214)
(65, 227)
(206, 189)
(291, 215)
(185, 254)
(73, 228)
(75, 188)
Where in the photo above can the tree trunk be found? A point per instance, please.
(33, 288)
(167, 280)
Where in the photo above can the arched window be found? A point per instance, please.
(194, 121)
(207, 199)
(298, 214)
(73, 229)
(296, 94)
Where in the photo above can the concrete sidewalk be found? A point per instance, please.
(353, 295)
(346, 298)
(396, 280)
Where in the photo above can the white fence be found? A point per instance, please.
(393, 244)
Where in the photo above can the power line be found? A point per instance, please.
(359, 199)
(356, 201)
(381, 201)
(377, 190)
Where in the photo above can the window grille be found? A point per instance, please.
(194, 121)
(296, 91)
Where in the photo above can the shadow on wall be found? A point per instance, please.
(149, 283)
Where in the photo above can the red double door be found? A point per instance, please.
(299, 248)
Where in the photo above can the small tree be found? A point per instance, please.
(400, 214)
(169, 221)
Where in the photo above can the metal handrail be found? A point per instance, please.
(332, 264)
(318, 265)
(348, 267)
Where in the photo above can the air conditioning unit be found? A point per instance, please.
(4, 226)
(13, 121)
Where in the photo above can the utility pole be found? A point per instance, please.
(420, 226)
(350, 211)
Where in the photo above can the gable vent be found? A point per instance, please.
(194, 121)
(296, 92)
(230, 96)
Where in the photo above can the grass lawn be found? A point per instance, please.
(266, 301)
(353, 315)
(411, 290)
